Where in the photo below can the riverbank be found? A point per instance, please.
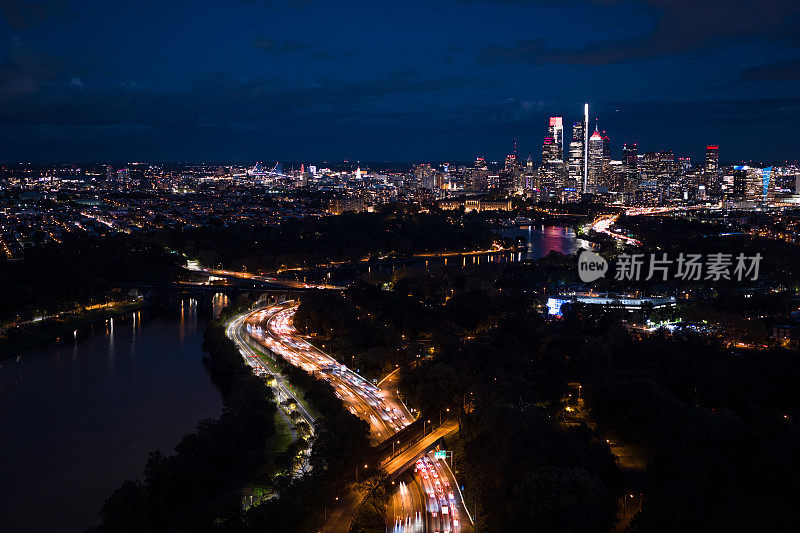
(17, 339)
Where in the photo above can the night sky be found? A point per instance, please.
(245, 80)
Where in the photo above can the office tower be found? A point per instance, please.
(511, 162)
(556, 132)
(740, 181)
(767, 185)
(576, 152)
(630, 165)
(551, 173)
(712, 158)
(553, 145)
(595, 161)
(585, 147)
(479, 176)
(606, 178)
(425, 175)
(711, 175)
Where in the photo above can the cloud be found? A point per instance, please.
(22, 15)
(24, 68)
(778, 71)
(679, 27)
(291, 47)
(214, 99)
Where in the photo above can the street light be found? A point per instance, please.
(365, 467)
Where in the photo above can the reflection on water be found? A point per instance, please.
(218, 303)
(79, 416)
(544, 239)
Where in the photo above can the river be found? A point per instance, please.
(79, 416)
(544, 239)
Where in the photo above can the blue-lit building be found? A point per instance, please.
(555, 303)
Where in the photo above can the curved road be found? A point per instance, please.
(411, 508)
(383, 410)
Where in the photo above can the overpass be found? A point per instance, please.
(258, 281)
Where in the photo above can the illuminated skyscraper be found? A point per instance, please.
(551, 173)
(576, 152)
(511, 162)
(585, 147)
(711, 175)
(630, 165)
(556, 131)
(595, 161)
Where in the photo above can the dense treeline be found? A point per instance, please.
(388, 320)
(396, 230)
(673, 236)
(719, 424)
(524, 470)
(57, 277)
(469, 340)
(193, 487)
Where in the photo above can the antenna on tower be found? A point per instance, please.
(515, 146)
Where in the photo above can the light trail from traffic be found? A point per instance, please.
(433, 488)
(254, 360)
(602, 224)
(382, 410)
(289, 284)
(412, 508)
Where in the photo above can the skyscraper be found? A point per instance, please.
(556, 131)
(630, 165)
(552, 171)
(585, 147)
(711, 174)
(595, 161)
(576, 151)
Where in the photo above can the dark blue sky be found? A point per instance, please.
(411, 80)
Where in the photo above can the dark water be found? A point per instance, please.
(544, 239)
(79, 416)
(541, 240)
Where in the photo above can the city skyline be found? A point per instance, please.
(430, 266)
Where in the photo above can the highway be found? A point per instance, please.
(272, 327)
(266, 280)
(431, 486)
(381, 409)
(602, 224)
(234, 331)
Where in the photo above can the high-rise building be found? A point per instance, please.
(630, 165)
(425, 176)
(576, 152)
(740, 181)
(711, 174)
(511, 162)
(556, 132)
(585, 147)
(551, 173)
(606, 176)
(595, 161)
(479, 176)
